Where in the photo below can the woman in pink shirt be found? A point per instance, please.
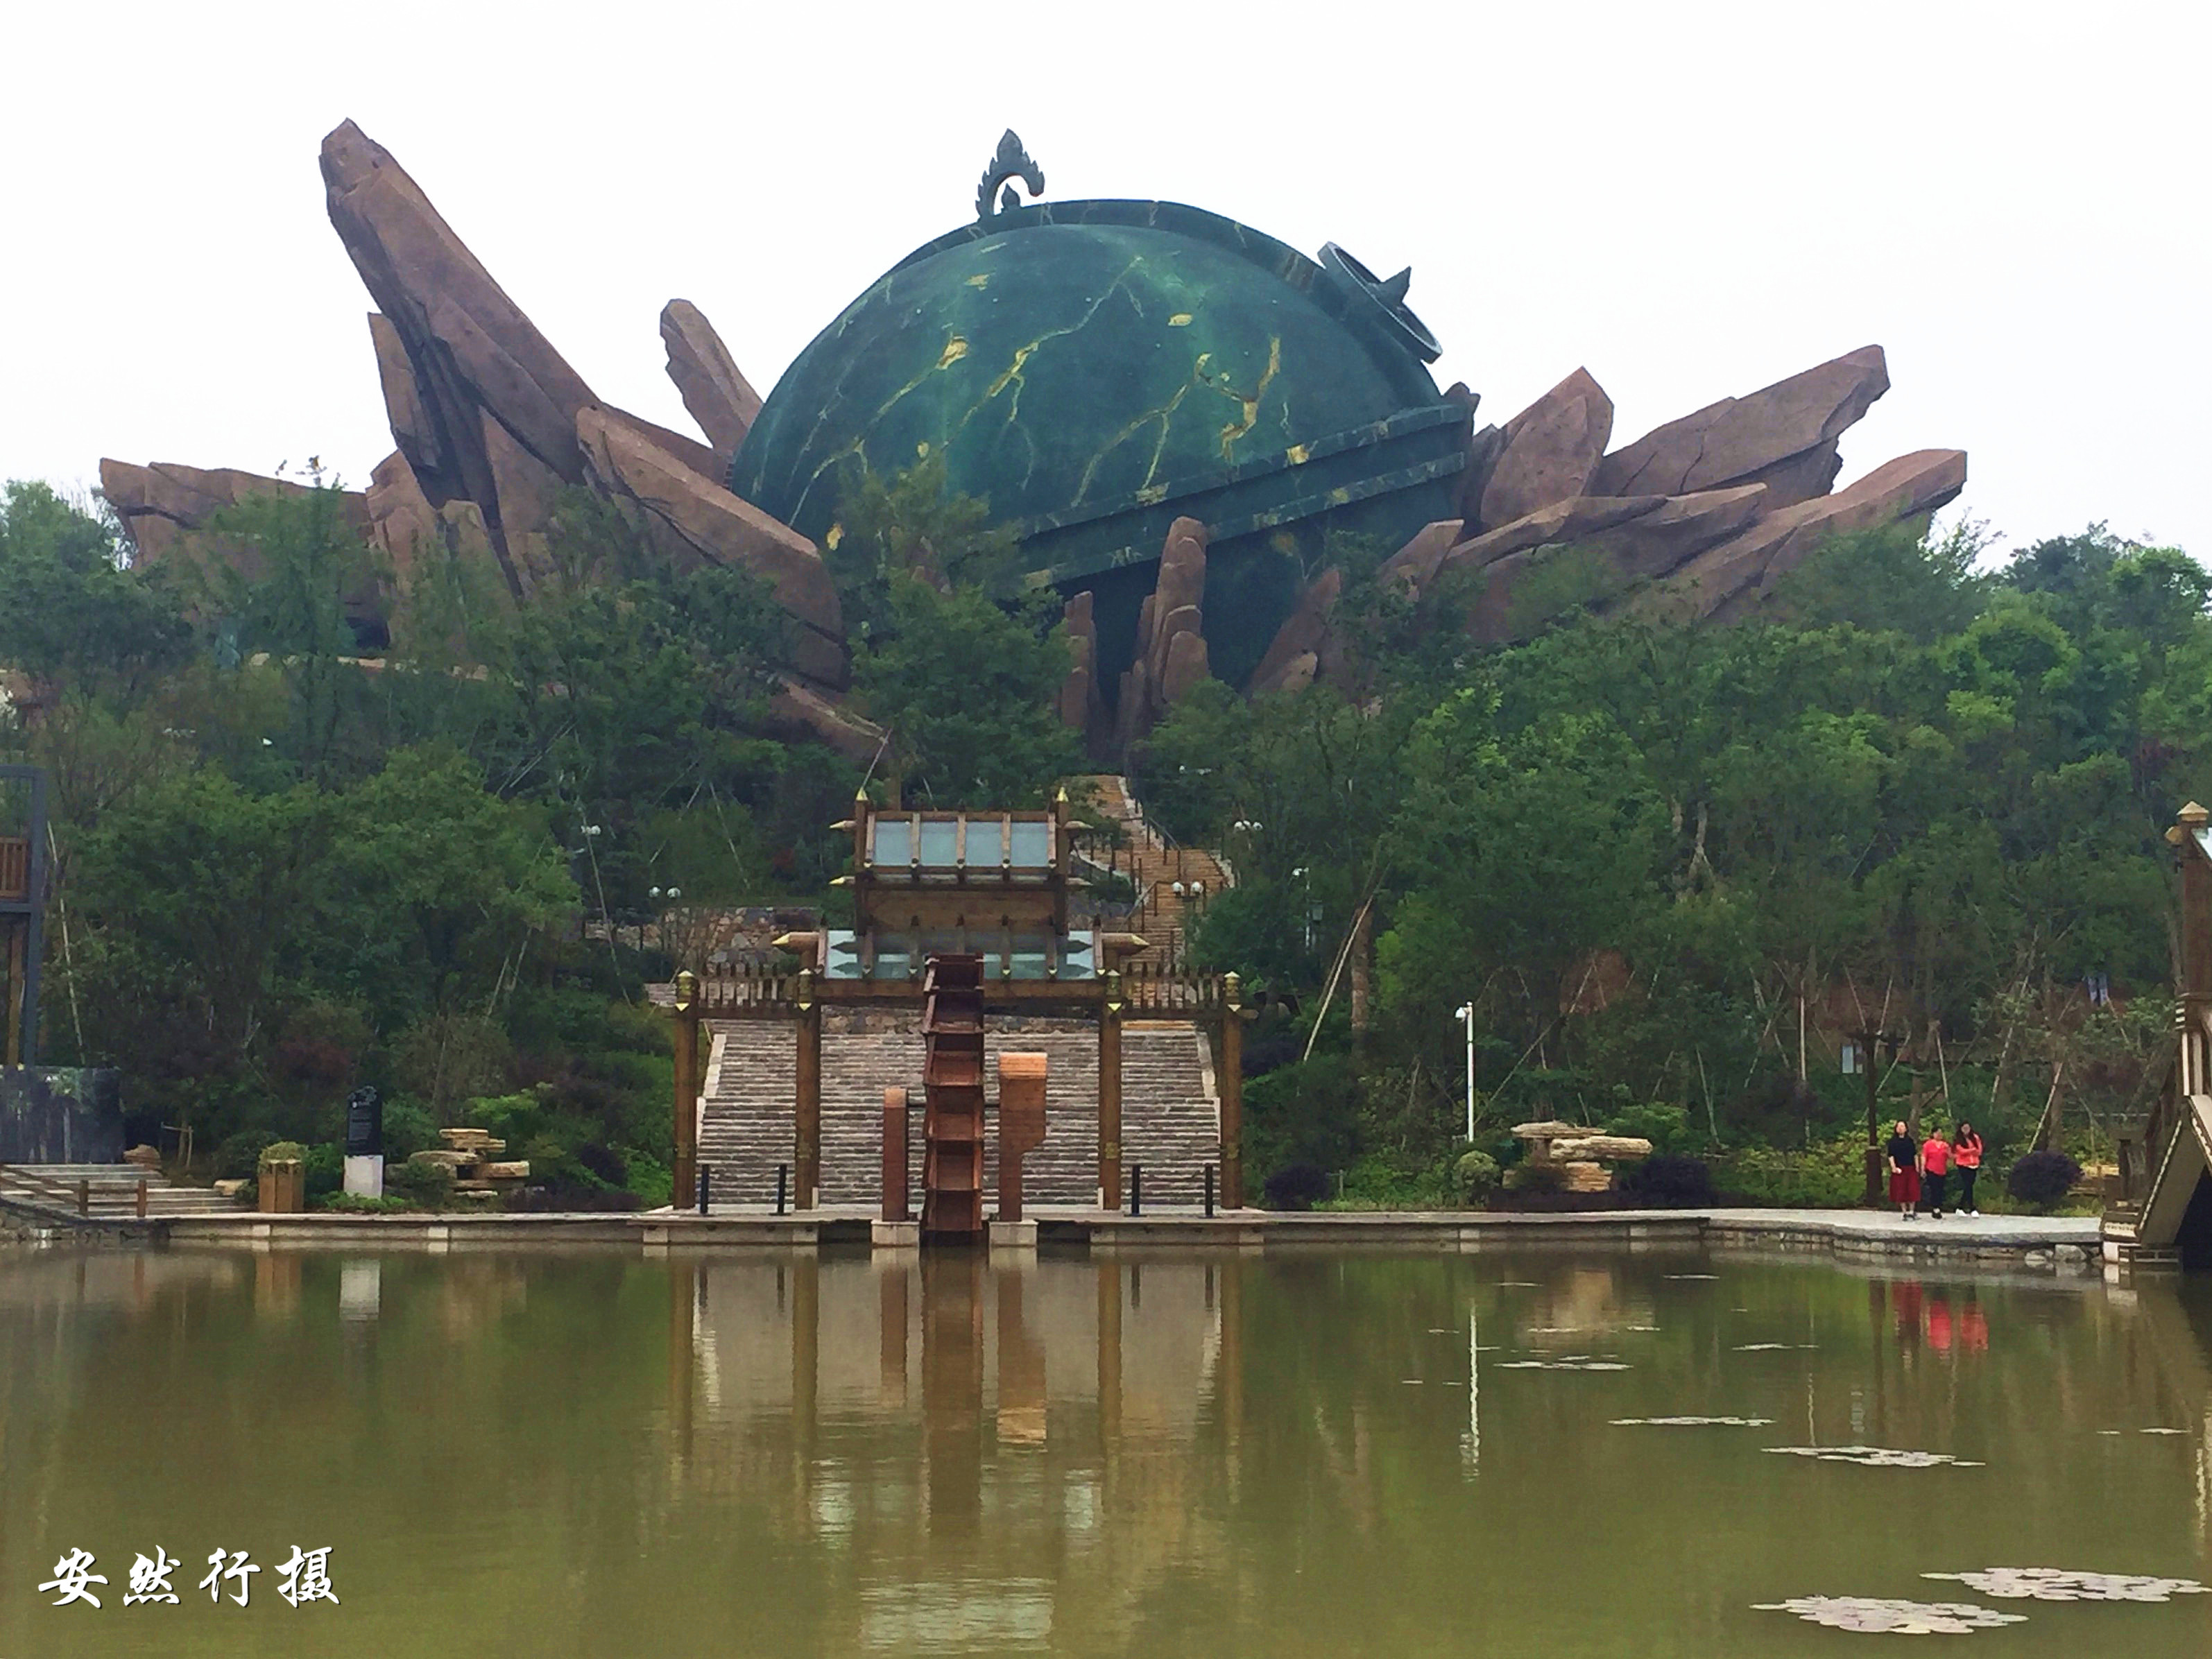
(1966, 1155)
(1934, 1166)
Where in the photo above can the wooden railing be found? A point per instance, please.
(18, 1181)
(14, 868)
(740, 992)
(2141, 1150)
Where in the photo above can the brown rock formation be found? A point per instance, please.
(166, 508)
(1082, 708)
(1571, 520)
(1551, 449)
(804, 711)
(1414, 566)
(1171, 656)
(690, 517)
(1304, 648)
(1783, 436)
(1724, 581)
(1598, 565)
(708, 378)
(471, 354)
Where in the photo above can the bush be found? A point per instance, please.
(326, 1169)
(558, 1196)
(1297, 1186)
(280, 1151)
(1666, 1127)
(360, 1203)
(407, 1129)
(1477, 1174)
(2042, 1179)
(239, 1156)
(1667, 1178)
(1828, 1174)
(425, 1185)
(1536, 1180)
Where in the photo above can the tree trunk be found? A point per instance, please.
(1363, 953)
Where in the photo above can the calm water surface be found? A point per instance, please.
(601, 1454)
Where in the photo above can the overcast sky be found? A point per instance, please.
(1691, 199)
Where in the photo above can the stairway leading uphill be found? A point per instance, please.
(1169, 1117)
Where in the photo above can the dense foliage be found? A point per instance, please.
(1669, 864)
(1923, 793)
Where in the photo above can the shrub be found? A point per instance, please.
(407, 1129)
(1477, 1175)
(1666, 1127)
(1536, 1180)
(2043, 1178)
(326, 1169)
(557, 1196)
(358, 1203)
(280, 1151)
(239, 1156)
(1297, 1186)
(425, 1185)
(1667, 1178)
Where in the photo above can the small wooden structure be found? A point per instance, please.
(994, 887)
(22, 909)
(2157, 1210)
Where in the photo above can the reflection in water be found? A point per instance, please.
(1218, 1455)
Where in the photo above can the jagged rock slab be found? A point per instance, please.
(1170, 649)
(694, 518)
(163, 505)
(1723, 581)
(469, 350)
(1414, 566)
(1304, 646)
(708, 378)
(1082, 708)
(1552, 447)
(1571, 520)
(412, 428)
(1783, 436)
(804, 711)
(1578, 569)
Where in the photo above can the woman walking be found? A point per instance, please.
(1904, 1172)
(1966, 1155)
(1936, 1170)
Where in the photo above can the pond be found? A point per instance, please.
(767, 1454)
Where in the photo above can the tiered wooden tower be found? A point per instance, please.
(952, 1080)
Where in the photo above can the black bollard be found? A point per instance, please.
(704, 1175)
(1136, 1189)
(783, 1175)
(1209, 1192)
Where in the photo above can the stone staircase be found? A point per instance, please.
(1154, 864)
(112, 1190)
(1170, 1112)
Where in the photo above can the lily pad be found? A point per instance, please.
(2052, 1584)
(1898, 1618)
(1876, 1458)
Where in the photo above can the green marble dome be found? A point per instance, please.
(1093, 370)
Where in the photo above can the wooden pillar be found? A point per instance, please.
(686, 1182)
(11, 1011)
(1110, 1360)
(1109, 1095)
(806, 1156)
(1021, 1124)
(1232, 1093)
(897, 1182)
(2196, 964)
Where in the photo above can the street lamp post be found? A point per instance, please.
(1466, 1014)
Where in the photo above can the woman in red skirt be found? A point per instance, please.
(1904, 1172)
